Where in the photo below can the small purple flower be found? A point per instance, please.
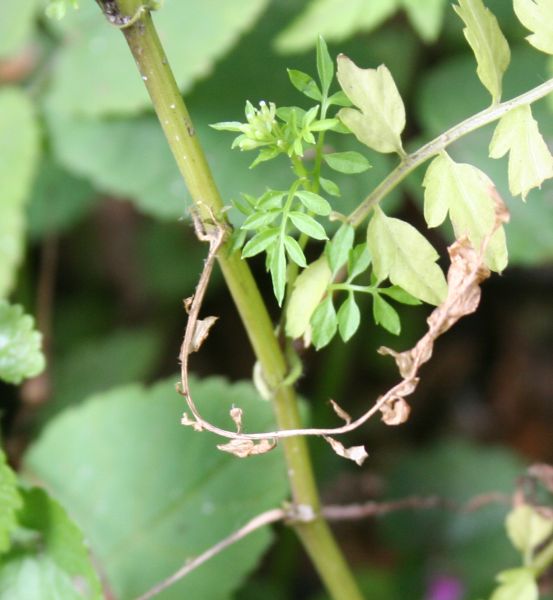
(445, 587)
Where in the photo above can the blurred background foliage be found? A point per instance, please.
(95, 243)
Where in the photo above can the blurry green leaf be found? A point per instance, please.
(358, 261)
(10, 501)
(516, 584)
(260, 219)
(381, 118)
(18, 154)
(95, 74)
(314, 203)
(304, 83)
(527, 529)
(20, 345)
(150, 493)
(56, 9)
(308, 225)
(294, 251)
(487, 42)
(16, 23)
(335, 20)
(405, 256)
(325, 65)
(277, 266)
(530, 161)
(349, 318)
(347, 162)
(537, 16)
(384, 314)
(329, 187)
(324, 323)
(426, 17)
(337, 250)
(260, 242)
(58, 200)
(307, 292)
(465, 192)
(399, 295)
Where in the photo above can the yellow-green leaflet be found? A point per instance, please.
(487, 42)
(530, 161)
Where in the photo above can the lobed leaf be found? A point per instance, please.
(530, 161)
(466, 193)
(487, 42)
(20, 345)
(347, 162)
(405, 256)
(537, 16)
(381, 116)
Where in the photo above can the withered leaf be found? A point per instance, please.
(340, 411)
(236, 416)
(201, 331)
(357, 454)
(243, 447)
(396, 411)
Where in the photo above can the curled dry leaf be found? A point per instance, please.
(356, 453)
(396, 411)
(236, 416)
(243, 448)
(340, 411)
(188, 422)
(201, 331)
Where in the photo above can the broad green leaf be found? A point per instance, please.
(144, 523)
(95, 74)
(537, 16)
(294, 251)
(405, 256)
(335, 20)
(337, 251)
(381, 118)
(10, 501)
(56, 538)
(325, 66)
(260, 242)
(426, 17)
(16, 23)
(324, 323)
(314, 203)
(487, 42)
(516, 584)
(465, 192)
(304, 83)
(347, 162)
(18, 154)
(308, 225)
(20, 353)
(58, 200)
(349, 318)
(386, 315)
(527, 529)
(329, 187)
(308, 290)
(277, 266)
(530, 161)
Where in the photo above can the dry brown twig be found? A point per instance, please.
(466, 272)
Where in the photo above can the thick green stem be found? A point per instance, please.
(140, 33)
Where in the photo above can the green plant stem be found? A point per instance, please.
(177, 126)
(435, 146)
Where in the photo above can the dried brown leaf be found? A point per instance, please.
(357, 454)
(186, 420)
(201, 331)
(340, 411)
(236, 416)
(242, 448)
(396, 411)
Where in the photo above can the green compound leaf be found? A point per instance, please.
(294, 251)
(324, 323)
(386, 315)
(465, 192)
(314, 203)
(530, 161)
(487, 42)
(308, 225)
(325, 66)
(305, 84)
(10, 501)
(347, 162)
(260, 242)
(143, 523)
(260, 219)
(399, 295)
(330, 187)
(405, 256)
(516, 584)
(537, 16)
(527, 529)
(18, 154)
(335, 20)
(337, 250)
(358, 261)
(277, 266)
(381, 118)
(309, 288)
(349, 318)
(20, 353)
